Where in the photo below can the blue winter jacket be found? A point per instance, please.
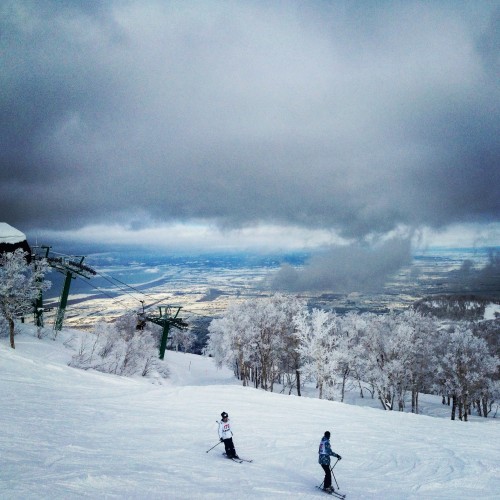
(325, 452)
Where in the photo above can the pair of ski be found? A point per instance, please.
(238, 460)
(333, 492)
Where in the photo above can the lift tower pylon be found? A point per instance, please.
(168, 317)
(71, 268)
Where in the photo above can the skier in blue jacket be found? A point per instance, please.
(325, 452)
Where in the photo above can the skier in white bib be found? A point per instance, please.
(226, 435)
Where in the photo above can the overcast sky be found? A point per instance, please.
(264, 124)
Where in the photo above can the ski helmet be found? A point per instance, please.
(223, 414)
(327, 434)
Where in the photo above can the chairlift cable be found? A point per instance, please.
(109, 278)
(115, 300)
(115, 285)
(121, 289)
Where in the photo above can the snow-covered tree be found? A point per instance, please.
(20, 285)
(181, 339)
(422, 361)
(122, 351)
(230, 340)
(318, 332)
(275, 337)
(289, 356)
(488, 397)
(396, 357)
(354, 327)
(256, 339)
(465, 369)
(379, 358)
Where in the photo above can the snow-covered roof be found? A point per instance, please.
(11, 235)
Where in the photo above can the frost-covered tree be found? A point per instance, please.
(122, 351)
(396, 357)
(465, 369)
(386, 348)
(354, 327)
(256, 339)
(422, 361)
(230, 340)
(289, 358)
(181, 339)
(318, 333)
(380, 358)
(20, 285)
(488, 397)
(275, 337)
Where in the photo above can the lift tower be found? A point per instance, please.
(71, 268)
(168, 317)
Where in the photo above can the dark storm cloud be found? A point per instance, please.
(354, 117)
(353, 268)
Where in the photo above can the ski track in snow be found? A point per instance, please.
(67, 433)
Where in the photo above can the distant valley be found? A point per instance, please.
(204, 285)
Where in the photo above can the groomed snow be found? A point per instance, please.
(67, 433)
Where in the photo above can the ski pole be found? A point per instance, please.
(214, 446)
(331, 470)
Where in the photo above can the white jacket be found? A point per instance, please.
(225, 429)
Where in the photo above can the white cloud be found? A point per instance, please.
(181, 236)
(460, 236)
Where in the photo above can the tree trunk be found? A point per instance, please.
(297, 376)
(385, 399)
(477, 404)
(383, 402)
(401, 398)
(11, 329)
(244, 374)
(344, 378)
(485, 407)
(453, 406)
(360, 389)
(414, 400)
(465, 403)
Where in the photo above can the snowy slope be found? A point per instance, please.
(67, 433)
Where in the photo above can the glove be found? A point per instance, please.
(339, 457)
(221, 440)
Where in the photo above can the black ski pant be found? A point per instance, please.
(328, 476)
(230, 451)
